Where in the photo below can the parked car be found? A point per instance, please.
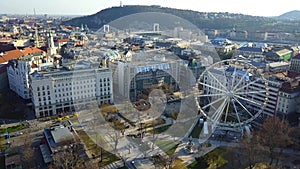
(6, 135)
(16, 134)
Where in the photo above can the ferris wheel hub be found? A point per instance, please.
(230, 94)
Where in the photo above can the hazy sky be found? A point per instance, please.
(87, 7)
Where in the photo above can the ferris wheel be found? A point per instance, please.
(232, 93)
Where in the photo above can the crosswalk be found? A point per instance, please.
(114, 165)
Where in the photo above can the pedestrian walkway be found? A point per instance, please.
(114, 165)
(188, 158)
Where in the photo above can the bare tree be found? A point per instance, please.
(28, 152)
(251, 149)
(115, 137)
(295, 136)
(68, 158)
(234, 157)
(169, 160)
(274, 134)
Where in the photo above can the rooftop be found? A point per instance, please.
(239, 72)
(31, 50)
(258, 64)
(251, 49)
(290, 87)
(65, 72)
(61, 134)
(296, 57)
(9, 55)
(57, 135)
(278, 64)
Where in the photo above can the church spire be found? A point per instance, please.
(51, 47)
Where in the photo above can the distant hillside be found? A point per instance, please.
(284, 30)
(292, 15)
(200, 19)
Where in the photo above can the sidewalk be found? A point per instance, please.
(114, 165)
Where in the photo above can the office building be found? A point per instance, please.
(63, 90)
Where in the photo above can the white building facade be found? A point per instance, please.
(288, 98)
(62, 91)
(18, 72)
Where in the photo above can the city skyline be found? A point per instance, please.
(68, 7)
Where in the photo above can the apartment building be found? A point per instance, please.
(288, 98)
(19, 70)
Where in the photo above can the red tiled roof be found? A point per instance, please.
(9, 55)
(62, 40)
(31, 50)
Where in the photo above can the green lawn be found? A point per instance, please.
(178, 164)
(159, 129)
(107, 157)
(13, 128)
(214, 158)
(196, 131)
(168, 146)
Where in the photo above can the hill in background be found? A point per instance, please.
(200, 19)
(292, 15)
(283, 29)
